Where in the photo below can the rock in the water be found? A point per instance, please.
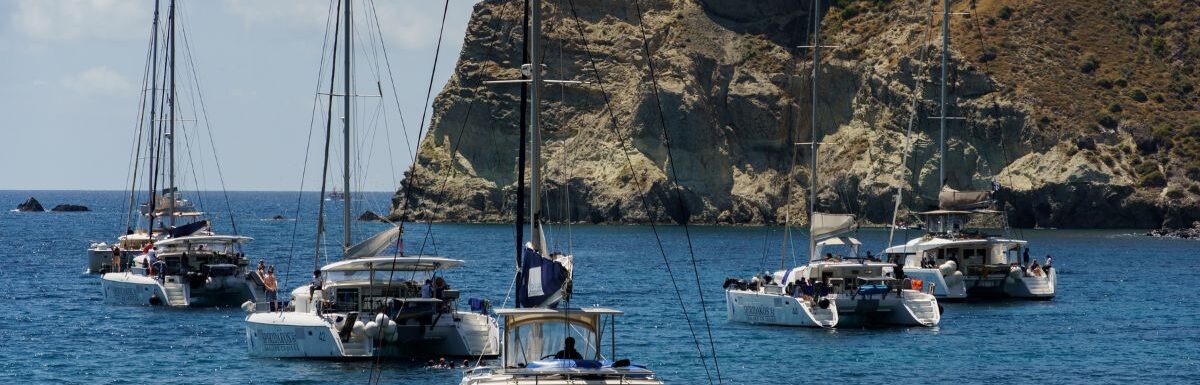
(70, 208)
(277, 218)
(369, 216)
(1190, 233)
(31, 205)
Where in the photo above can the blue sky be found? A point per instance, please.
(71, 73)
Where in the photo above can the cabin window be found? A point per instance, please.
(345, 300)
(535, 341)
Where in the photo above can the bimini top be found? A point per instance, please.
(922, 244)
(417, 263)
(205, 239)
(546, 311)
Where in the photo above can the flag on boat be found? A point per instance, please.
(541, 281)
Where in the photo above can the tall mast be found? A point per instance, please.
(942, 132)
(346, 132)
(812, 182)
(535, 136)
(171, 118)
(151, 163)
(521, 155)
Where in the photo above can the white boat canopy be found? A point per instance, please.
(205, 239)
(840, 241)
(417, 263)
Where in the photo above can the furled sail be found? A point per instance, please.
(371, 247)
(826, 226)
(542, 282)
(188, 229)
(951, 199)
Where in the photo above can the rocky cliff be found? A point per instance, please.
(1085, 113)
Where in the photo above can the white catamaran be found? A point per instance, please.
(831, 290)
(368, 304)
(968, 264)
(165, 264)
(545, 344)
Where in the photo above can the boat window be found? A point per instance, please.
(530, 342)
(345, 300)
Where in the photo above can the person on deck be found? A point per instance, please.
(869, 256)
(1049, 263)
(262, 268)
(116, 259)
(272, 287)
(1034, 269)
(568, 352)
(313, 288)
(1026, 256)
(427, 289)
(150, 259)
(439, 286)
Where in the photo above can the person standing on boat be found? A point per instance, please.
(272, 287)
(1026, 256)
(116, 259)
(313, 288)
(427, 289)
(1049, 263)
(150, 259)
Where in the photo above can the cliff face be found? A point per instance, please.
(1085, 113)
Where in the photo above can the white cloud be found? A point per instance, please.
(64, 20)
(304, 14)
(407, 24)
(97, 81)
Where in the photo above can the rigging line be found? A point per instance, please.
(407, 188)
(328, 136)
(376, 42)
(376, 367)
(614, 127)
(918, 91)
(678, 193)
(308, 145)
(187, 47)
(132, 177)
(983, 44)
(392, 81)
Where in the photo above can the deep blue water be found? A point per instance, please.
(1127, 309)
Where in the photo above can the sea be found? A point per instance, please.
(1127, 310)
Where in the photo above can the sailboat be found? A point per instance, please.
(174, 264)
(368, 304)
(545, 343)
(831, 290)
(968, 264)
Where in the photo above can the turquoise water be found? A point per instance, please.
(1127, 309)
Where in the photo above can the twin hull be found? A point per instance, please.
(129, 288)
(306, 335)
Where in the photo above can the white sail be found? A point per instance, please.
(371, 247)
(830, 225)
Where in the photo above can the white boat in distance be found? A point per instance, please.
(357, 315)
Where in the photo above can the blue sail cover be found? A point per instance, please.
(539, 280)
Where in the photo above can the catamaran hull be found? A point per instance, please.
(306, 335)
(945, 287)
(132, 289)
(908, 309)
(773, 309)
(100, 259)
(1030, 287)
